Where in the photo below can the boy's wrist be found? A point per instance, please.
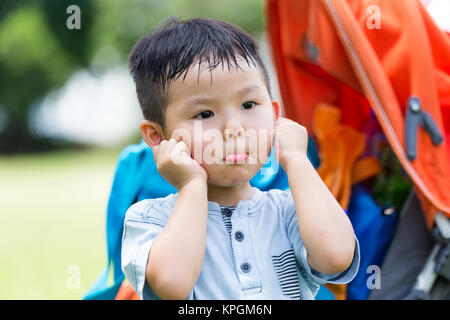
(196, 183)
(294, 160)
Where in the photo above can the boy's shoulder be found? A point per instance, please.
(155, 207)
(277, 193)
(279, 196)
(283, 201)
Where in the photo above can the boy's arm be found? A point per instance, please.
(325, 229)
(176, 256)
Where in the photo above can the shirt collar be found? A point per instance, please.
(253, 204)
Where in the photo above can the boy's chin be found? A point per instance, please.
(232, 176)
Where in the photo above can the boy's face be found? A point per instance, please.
(220, 113)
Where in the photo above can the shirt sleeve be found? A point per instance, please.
(313, 277)
(143, 222)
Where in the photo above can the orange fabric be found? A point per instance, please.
(364, 169)
(339, 290)
(325, 52)
(126, 292)
(340, 148)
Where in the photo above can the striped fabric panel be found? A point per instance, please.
(226, 219)
(286, 268)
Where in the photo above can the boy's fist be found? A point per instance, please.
(290, 141)
(175, 164)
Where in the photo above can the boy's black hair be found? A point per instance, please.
(168, 51)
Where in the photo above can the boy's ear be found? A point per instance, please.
(151, 132)
(276, 110)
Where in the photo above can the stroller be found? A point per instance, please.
(369, 78)
(370, 81)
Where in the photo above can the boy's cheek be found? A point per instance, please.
(207, 153)
(262, 150)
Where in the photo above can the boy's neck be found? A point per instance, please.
(230, 196)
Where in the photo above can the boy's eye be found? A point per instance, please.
(204, 115)
(248, 104)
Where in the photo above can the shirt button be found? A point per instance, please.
(239, 236)
(245, 267)
(228, 212)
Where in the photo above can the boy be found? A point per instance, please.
(211, 124)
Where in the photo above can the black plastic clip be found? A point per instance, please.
(414, 117)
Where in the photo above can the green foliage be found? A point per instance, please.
(39, 53)
(30, 57)
(121, 23)
(32, 62)
(392, 186)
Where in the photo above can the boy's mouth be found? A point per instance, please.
(235, 158)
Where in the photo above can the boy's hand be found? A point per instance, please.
(175, 164)
(290, 141)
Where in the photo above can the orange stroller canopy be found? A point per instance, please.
(388, 56)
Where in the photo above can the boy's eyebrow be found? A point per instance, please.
(198, 100)
(205, 100)
(249, 88)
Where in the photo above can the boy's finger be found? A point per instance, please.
(180, 153)
(180, 147)
(162, 143)
(166, 146)
(172, 142)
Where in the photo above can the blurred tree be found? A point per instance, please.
(38, 52)
(120, 24)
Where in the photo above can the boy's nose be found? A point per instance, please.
(234, 130)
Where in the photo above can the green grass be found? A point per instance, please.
(52, 217)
